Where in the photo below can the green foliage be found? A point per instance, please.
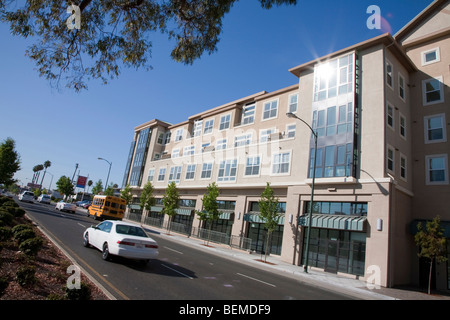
(147, 200)
(5, 233)
(23, 235)
(84, 293)
(6, 218)
(64, 186)
(126, 194)
(21, 227)
(3, 285)
(431, 242)
(31, 246)
(98, 187)
(25, 276)
(9, 160)
(115, 34)
(170, 201)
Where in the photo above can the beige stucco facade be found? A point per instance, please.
(371, 164)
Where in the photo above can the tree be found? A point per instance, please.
(147, 199)
(113, 34)
(90, 182)
(170, 202)
(46, 165)
(109, 190)
(126, 195)
(210, 211)
(9, 161)
(269, 212)
(432, 244)
(64, 186)
(98, 187)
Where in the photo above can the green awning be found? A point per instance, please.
(156, 209)
(328, 221)
(256, 218)
(184, 212)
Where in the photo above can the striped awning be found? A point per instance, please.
(329, 221)
(256, 218)
(184, 212)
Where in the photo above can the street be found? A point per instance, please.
(180, 272)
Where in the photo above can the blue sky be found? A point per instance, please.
(256, 50)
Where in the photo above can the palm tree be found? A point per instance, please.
(46, 165)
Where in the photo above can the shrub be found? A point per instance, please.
(25, 276)
(23, 235)
(5, 234)
(6, 217)
(20, 227)
(10, 203)
(31, 246)
(19, 212)
(84, 293)
(3, 285)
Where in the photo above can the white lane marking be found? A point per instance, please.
(269, 284)
(185, 275)
(174, 250)
(81, 225)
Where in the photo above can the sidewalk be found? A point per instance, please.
(342, 284)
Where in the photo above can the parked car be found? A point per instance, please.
(44, 198)
(86, 205)
(123, 239)
(64, 206)
(81, 203)
(27, 196)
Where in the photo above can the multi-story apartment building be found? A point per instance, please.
(379, 110)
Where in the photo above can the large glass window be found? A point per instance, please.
(435, 128)
(281, 163)
(227, 170)
(433, 91)
(252, 166)
(248, 114)
(206, 170)
(339, 208)
(437, 169)
(270, 109)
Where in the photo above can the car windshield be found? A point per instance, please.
(130, 230)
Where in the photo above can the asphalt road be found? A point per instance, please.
(180, 272)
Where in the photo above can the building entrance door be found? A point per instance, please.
(332, 256)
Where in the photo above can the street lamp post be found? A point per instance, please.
(308, 233)
(110, 164)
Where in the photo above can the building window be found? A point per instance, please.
(151, 175)
(243, 140)
(162, 174)
(437, 169)
(433, 91)
(167, 138)
(389, 75)
(401, 86)
(209, 124)
(390, 159)
(198, 128)
(225, 122)
(160, 138)
(221, 144)
(402, 126)
(338, 208)
(175, 153)
(435, 130)
(293, 103)
(227, 170)
(264, 134)
(281, 163)
(403, 167)
(430, 56)
(175, 174)
(252, 166)
(206, 170)
(248, 114)
(190, 172)
(390, 116)
(179, 135)
(270, 110)
(189, 150)
(333, 78)
(290, 130)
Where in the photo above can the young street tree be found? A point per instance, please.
(147, 199)
(112, 34)
(210, 211)
(126, 195)
(9, 161)
(98, 187)
(269, 212)
(432, 244)
(170, 202)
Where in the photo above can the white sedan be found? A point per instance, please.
(64, 206)
(119, 238)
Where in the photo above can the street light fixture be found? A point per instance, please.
(110, 164)
(308, 233)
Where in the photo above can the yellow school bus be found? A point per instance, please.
(107, 207)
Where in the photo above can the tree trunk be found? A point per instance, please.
(429, 276)
(267, 245)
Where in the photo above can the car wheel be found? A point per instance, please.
(86, 240)
(105, 252)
